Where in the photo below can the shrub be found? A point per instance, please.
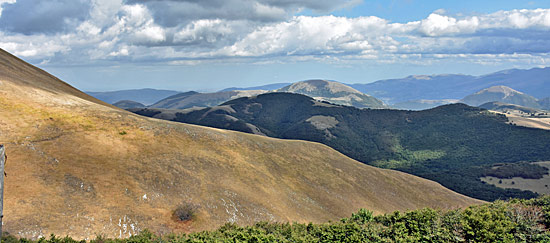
(185, 212)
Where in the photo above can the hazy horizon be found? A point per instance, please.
(293, 81)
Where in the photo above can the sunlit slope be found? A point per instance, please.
(79, 167)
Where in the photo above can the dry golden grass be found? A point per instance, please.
(80, 167)
(541, 186)
(527, 121)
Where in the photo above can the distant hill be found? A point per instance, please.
(262, 87)
(501, 94)
(416, 105)
(505, 107)
(451, 144)
(333, 92)
(127, 104)
(194, 99)
(535, 82)
(79, 167)
(144, 96)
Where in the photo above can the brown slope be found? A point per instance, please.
(79, 167)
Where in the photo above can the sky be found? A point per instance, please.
(208, 45)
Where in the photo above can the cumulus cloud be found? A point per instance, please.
(189, 31)
(170, 13)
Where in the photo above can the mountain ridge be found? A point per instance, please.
(145, 96)
(194, 99)
(535, 81)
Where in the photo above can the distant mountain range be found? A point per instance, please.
(415, 92)
(535, 82)
(331, 91)
(451, 144)
(144, 96)
(261, 87)
(417, 105)
(193, 99)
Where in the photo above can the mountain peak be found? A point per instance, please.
(502, 94)
(333, 92)
(319, 84)
(507, 91)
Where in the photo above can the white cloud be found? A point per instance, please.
(209, 31)
(42, 47)
(437, 25)
(131, 31)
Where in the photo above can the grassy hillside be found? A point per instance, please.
(452, 144)
(80, 167)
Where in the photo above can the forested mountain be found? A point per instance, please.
(451, 144)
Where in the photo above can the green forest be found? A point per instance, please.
(517, 220)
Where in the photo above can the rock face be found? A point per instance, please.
(333, 92)
(81, 167)
(501, 94)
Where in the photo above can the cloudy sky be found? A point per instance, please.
(99, 45)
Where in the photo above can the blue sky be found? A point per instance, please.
(208, 45)
(411, 10)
